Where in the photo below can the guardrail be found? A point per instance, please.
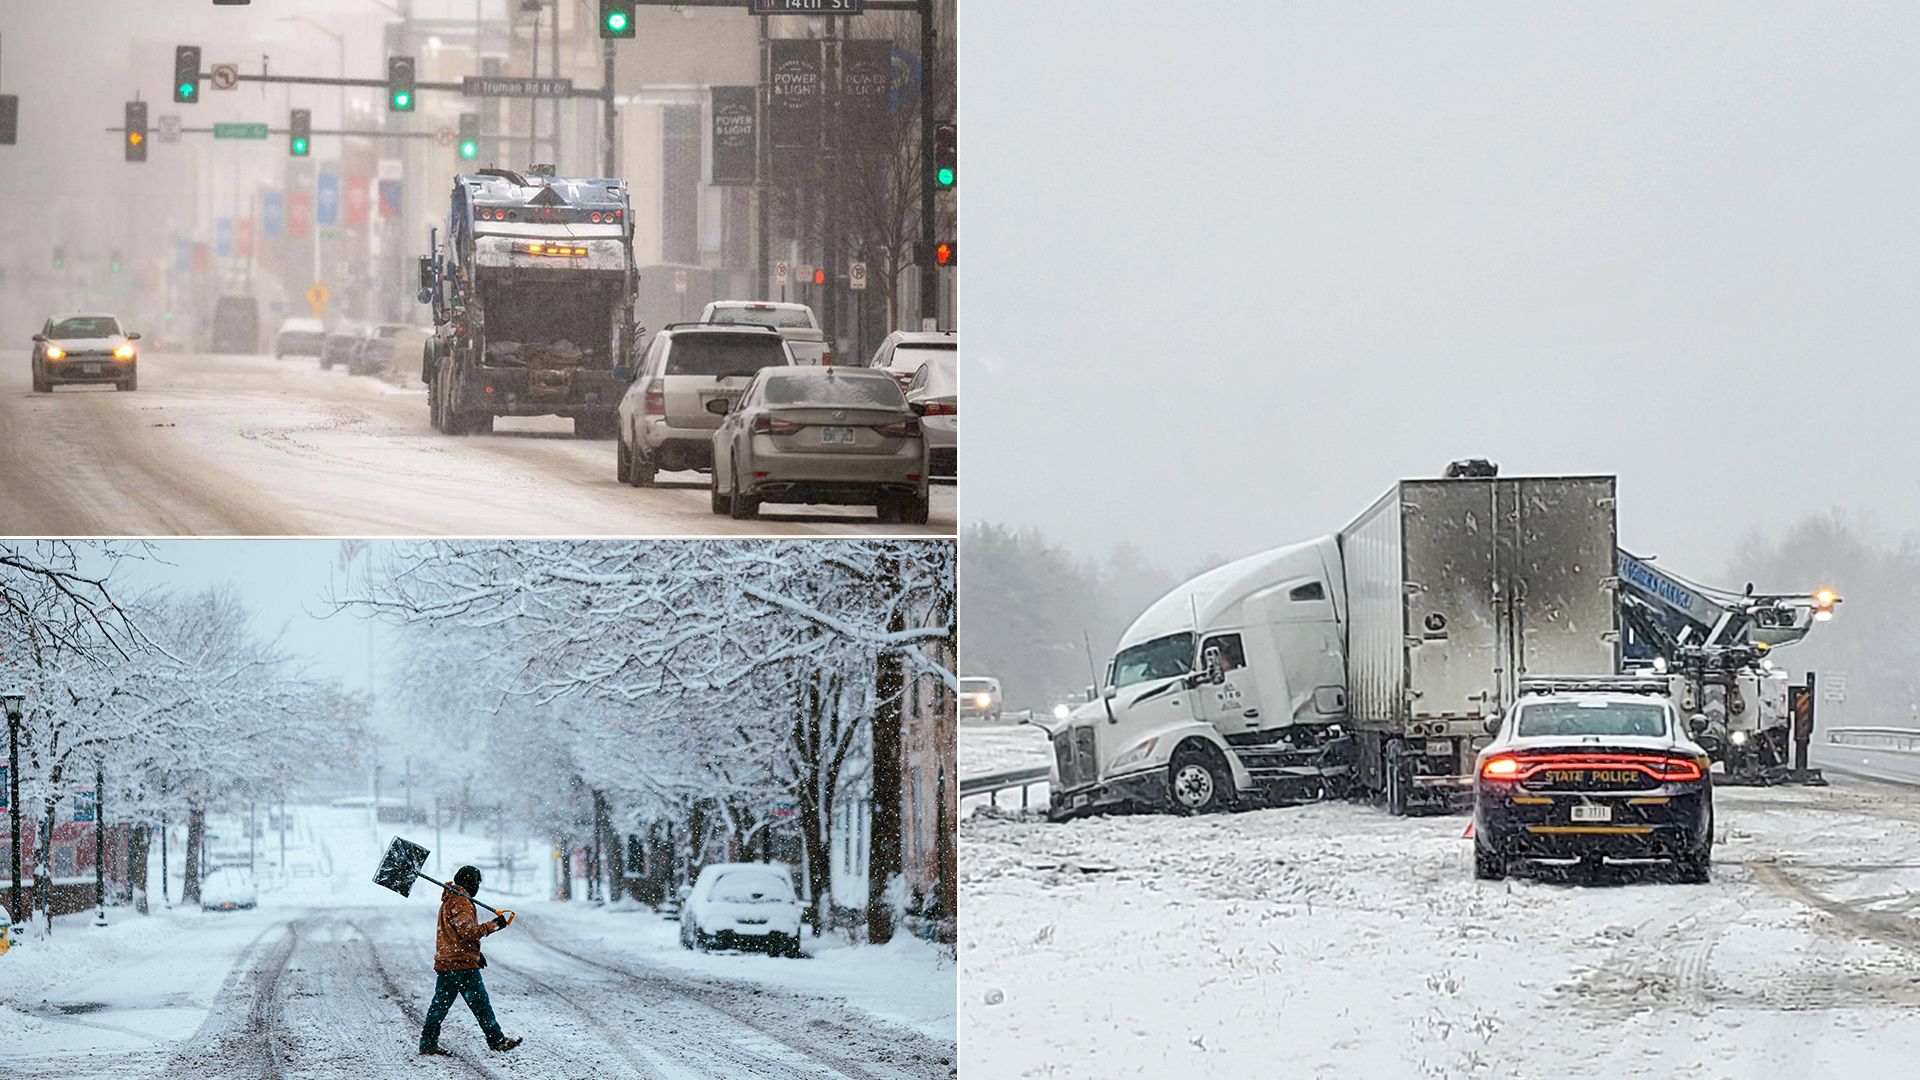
(992, 784)
(1903, 740)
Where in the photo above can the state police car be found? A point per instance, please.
(1595, 772)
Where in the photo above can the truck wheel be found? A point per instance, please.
(641, 472)
(1197, 783)
(621, 460)
(918, 510)
(1394, 764)
(1488, 865)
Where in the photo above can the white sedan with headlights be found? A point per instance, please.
(82, 348)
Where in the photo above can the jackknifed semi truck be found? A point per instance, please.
(1374, 661)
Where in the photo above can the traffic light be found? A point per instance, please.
(1823, 602)
(59, 257)
(113, 261)
(300, 133)
(186, 74)
(819, 275)
(136, 131)
(946, 157)
(945, 253)
(469, 144)
(399, 84)
(616, 18)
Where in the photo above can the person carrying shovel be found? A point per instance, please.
(457, 959)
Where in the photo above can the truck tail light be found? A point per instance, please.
(826, 359)
(656, 399)
(905, 429)
(767, 425)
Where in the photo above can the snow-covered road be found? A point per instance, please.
(1333, 940)
(247, 445)
(338, 992)
(329, 977)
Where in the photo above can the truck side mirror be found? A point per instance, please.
(1699, 723)
(1109, 693)
(426, 274)
(425, 296)
(1493, 725)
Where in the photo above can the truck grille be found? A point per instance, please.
(1073, 751)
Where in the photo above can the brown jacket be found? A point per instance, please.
(456, 943)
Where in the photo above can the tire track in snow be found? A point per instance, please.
(246, 1034)
(705, 995)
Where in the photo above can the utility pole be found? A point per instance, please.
(283, 836)
(166, 897)
(762, 188)
(606, 109)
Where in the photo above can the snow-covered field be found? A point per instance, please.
(328, 977)
(249, 445)
(1331, 940)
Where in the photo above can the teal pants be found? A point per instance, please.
(466, 984)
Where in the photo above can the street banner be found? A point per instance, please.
(83, 806)
(734, 135)
(243, 238)
(355, 200)
(866, 93)
(390, 198)
(202, 258)
(273, 214)
(223, 237)
(798, 94)
(327, 199)
(5, 789)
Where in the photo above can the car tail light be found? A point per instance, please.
(1500, 768)
(1680, 769)
(656, 399)
(942, 408)
(905, 429)
(826, 359)
(767, 425)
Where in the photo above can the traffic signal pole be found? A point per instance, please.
(929, 273)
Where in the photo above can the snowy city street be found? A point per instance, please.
(249, 445)
(1333, 940)
(329, 976)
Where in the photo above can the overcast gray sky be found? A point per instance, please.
(1232, 268)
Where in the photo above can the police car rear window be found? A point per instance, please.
(1601, 718)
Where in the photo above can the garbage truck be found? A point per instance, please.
(1372, 661)
(532, 292)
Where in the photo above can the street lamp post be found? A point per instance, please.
(12, 700)
(100, 842)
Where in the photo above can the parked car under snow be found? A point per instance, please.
(741, 906)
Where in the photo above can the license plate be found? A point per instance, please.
(1590, 812)
(91, 369)
(837, 435)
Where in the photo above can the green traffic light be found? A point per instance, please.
(402, 100)
(300, 147)
(944, 177)
(186, 89)
(469, 149)
(617, 21)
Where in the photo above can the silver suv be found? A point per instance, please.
(664, 422)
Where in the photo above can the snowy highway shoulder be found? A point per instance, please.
(1334, 940)
(341, 991)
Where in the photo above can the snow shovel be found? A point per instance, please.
(402, 864)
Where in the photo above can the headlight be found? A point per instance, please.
(1135, 755)
(982, 701)
(55, 352)
(1062, 711)
(123, 352)
(1739, 738)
